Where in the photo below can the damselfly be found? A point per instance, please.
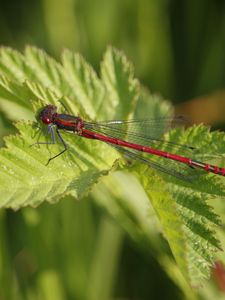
(130, 137)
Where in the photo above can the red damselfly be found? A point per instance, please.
(132, 138)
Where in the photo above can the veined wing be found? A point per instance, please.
(143, 132)
(170, 167)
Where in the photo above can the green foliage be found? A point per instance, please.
(33, 80)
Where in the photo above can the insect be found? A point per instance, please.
(132, 138)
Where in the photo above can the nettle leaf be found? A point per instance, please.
(30, 81)
(189, 222)
(121, 86)
(79, 169)
(86, 87)
(25, 180)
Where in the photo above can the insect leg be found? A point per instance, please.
(51, 131)
(62, 141)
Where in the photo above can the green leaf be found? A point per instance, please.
(87, 88)
(121, 86)
(86, 162)
(22, 185)
(14, 65)
(30, 81)
(187, 219)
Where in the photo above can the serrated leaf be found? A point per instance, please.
(47, 71)
(13, 64)
(34, 80)
(78, 169)
(121, 86)
(196, 219)
(75, 174)
(87, 88)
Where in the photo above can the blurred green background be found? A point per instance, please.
(78, 250)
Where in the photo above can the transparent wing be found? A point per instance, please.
(173, 168)
(142, 132)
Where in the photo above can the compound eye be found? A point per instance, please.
(46, 120)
